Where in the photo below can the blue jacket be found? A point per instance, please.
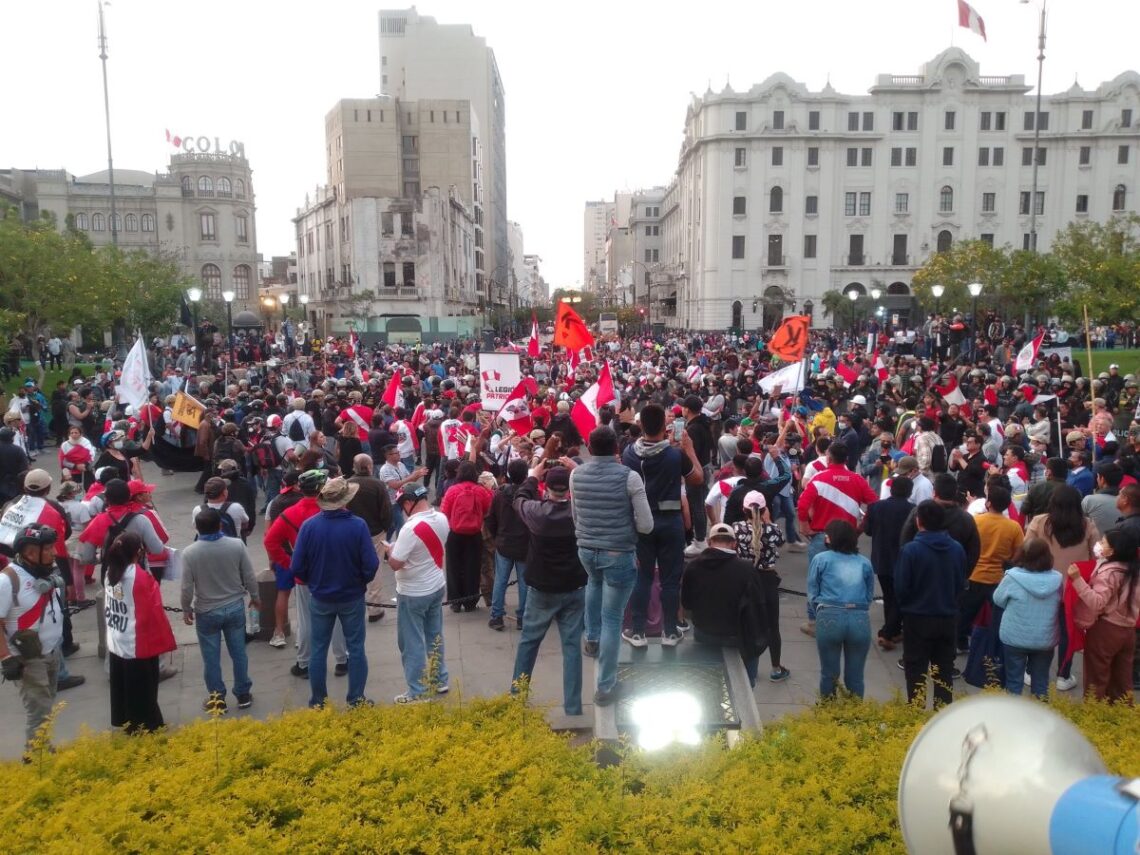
(1082, 480)
(839, 579)
(930, 574)
(334, 556)
(1032, 603)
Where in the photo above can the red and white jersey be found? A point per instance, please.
(33, 509)
(719, 493)
(406, 441)
(420, 544)
(31, 609)
(452, 439)
(137, 627)
(361, 416)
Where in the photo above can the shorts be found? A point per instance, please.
(285, 580)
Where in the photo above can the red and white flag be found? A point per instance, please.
(532, 347)
(1028, 354)
(969, 18)
(584, 413)
(393, 395)
(515, 410)
(880, 367)
(949, 391)
(848, 373)
(989, 395)
(1030, 393)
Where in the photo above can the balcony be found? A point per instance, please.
(207, 194)
(401, 293)
(186, 191)
(856, 259)
(775, 261)
(900, 260)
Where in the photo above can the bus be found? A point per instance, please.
(608, 323)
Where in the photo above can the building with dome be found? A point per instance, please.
(201, 210)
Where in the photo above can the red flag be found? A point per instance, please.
(1030, 393)
(880, 367)
(949, 391)
(1028, 354)
(791, 338)
(849, 374)
(969, 18)
(584, 414)
(990, 396)
(515, 411)
(392, 394)
(570, 330)
(532, 346)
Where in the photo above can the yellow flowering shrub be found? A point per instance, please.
(479, 777)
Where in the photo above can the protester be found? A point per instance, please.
(373, 505)
(465, 505)
(884, 524)
(758, 539)
(1030, 596)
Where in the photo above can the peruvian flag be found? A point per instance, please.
(393, 395)
(515, 411)
(969, 18)
(584, 414)
(989, 395)
(353, 344)
(950, 392)
(532, 346)
(1028, 354)
(849, 374)
(1030, 393)
(880, 367)
(693, 372)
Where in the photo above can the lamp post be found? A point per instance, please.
(937, 291)
(228, 296)
(975, 289)
(284, 298)
(194, 295)
(876, 293)
(1037, 129)
(853, 296)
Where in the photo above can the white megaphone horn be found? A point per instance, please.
(995, 774)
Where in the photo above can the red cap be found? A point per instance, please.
(136, 486)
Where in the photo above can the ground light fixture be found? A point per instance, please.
(663, 718)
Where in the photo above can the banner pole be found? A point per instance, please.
(1088, 342)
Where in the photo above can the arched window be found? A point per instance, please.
(212, 281)
(946, 199)
(187, 186)
(116, 223)
(98, 223)
(945, 239)
(899, 289)
(224, 186)
(205, 186)
(132, 223)
(1118, 198)
(737, 315)
(241, 282)
(81, 221)
(240, 188)
(148, 222)
(776, 200)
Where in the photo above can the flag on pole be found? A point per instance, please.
(393, 395)
(1028, 354)
(532, 347)
(570, 330)
(790, 339)
(847, 372)
(880, 367)
(135, 380)
(584, 414)
(515, 411)
(1030, 393)
(969, 18)
(949, 391)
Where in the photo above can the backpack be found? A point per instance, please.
(229, 527)
(938, 458)
(265, 453)
(117, 528)
(296, 432)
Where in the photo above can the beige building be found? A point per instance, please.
(597, 219)
(201, 210)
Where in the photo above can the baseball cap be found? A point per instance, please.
(136, 486)
(412, 493)
(906, 465)
(228, 466)
(722, 530)
(558, 479)
(37, 480)
(755, 499)
(1074, 436)
(274, 421)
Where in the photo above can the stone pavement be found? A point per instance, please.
(480, 660)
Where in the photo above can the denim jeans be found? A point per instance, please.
(664, 547)
(1018, 660)
(543, 609)
(696, 496)
(305, 630)
(324, 615)
(503, 566)
(272, 487)
(612, 577)
(212, 626)
(419, 627)
(397, 522)
(847, 632)
(786, 507)
(814, 547)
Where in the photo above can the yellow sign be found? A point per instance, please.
(188, 410)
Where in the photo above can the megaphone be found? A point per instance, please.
(997, 774)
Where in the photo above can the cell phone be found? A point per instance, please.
(678, 429)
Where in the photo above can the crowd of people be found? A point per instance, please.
(1001, 507)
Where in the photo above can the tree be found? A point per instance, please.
(965, 262)
(1033, 285)
(144, 290)
(1101, 263)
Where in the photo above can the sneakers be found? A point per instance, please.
(605, 697)
(408, 698)
(496, 623)
(298, 671)
(808, 628)
(902, 667)
(635, 639)
(684, 626)
(278, 640)
(442, 689)
(341, 669)
(1026, 680)
(70, 682)
(695, 548)
(780, 674)
(245, 701)
(1066, 684)
(590, 648)
(671, 639)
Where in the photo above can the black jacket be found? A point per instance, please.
(884, 525)
(371, 503)
(552, 563)
(724, 596)
(512, 540)
(13, 464)
(699, 429)
(959, 525)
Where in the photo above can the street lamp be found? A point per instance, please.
(937, 291)
(853, 296)
(304, 298)
(975, 289)
(228, 296)
(284, 298)
(194, 295)
(1036, 130)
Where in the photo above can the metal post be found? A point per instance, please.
(194, 335)
(1037, 133)
(230, 330)
(107, 118)
(974, 341)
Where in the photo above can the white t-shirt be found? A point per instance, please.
(923, 489)
(235, 510)
(719, 493)
(404, 443)
(50, 606)
(393, 472)
(420, 544)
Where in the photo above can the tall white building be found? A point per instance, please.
(515, 281)
(535, 287)
(597, 218)
(782, 194)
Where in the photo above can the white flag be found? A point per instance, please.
(134, 382)
(790, 378)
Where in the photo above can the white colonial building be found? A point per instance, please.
(782, 194)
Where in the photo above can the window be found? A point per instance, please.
(1026, 240)
(811, 204)
(778, 155)
(865, 156)
(1082, 203)
(898, 251)
(389, 274)
(407, 225)
(741, 121)
(1027, 156)
(945, 240)
(983, 157)
(864, 204)
(738, 246)
(739, 207)
(912, 121)
(896, 157)
(778, 120)
(898, 121)
(868, 121)
(813, 120)
(81, 221)
(946, 199)
(116, 223)
(1117, 199)
(999, 121)
(852, 121)
(948, 155)
(205, 186)
(241, 282)
(224, 188)
(1042, 120)
(652, 255)
(776, 200)
(1126, 118)
(241, 228)
(849, 202)
(386, 223)
(132, 223)
(741, 158)
(148, 222)
(409, 274)
(852, 157)
(1085, 155)
(902, 203)
(212, 281)
(206, 227)
(998, 158)
(989, 203)
(187, 186)
(984, 120)
(1122, 154)
(855, 249)
(649, 212)
(949, 120)
(813, 155)
(911, 156)
(987, 238)
(1086, 120)
(411, 189)
(809, 246)
(239, 189)
(1023, 206)
(98, 223)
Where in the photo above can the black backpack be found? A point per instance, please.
(117, 528)
(229, 528)
(296, 432)
(938, 458)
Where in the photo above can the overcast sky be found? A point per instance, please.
(596, 92)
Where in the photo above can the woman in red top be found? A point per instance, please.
(465, 504)
(76, 456)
